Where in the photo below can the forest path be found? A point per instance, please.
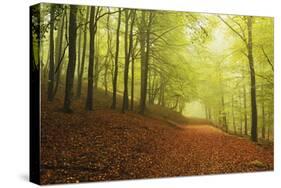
(204, 149)
(109, 145)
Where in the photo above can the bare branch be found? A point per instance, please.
(235, 31)
(267, 58)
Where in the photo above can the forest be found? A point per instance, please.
(153, 73)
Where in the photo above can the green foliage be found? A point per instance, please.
(193, 57)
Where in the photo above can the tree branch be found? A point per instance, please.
(267, 58)
(235, 31)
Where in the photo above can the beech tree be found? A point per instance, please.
(72, 59)
(168, 60)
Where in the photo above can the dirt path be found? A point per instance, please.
(108, 145)
(203, 149)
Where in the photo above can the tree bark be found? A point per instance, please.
(51, 78)
(224, 114)
(240, 113)
(233, 116)
(263, 112)
(97, 61)
(58, 56)
(128, 51)
(132, 81)
(72, 59)
(143, 63)
(145, 53)
(127, 61)
(107, 58)
(210, 113)
(79, 51)
(254, 136)
(89, 100)
(81, 73)
(115, 76)
(245, 110)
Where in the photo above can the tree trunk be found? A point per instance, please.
(145, 52)
(128, 52)
(89, 100)
(59, 42)
(72, 59)
(81, 73)
(263, 112)
(127, 61)
(245, 104)
(162, 92)
(132, 80)
(97, 61)
(224, 114)
(51, 78)
(254, 135)
(206, 112)
(106, 61)
(133, 68)
(233, 116)
(115, 76)
(108, 55)
(143, 63)
(240, 113)
(79, 52)
(245, 110)
(210, 113)
(268, 127)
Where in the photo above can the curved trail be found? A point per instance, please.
(203, 149)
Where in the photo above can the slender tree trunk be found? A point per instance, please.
(105, 79)
(97, 62)
(133, 73)
(160, 90)
(115, 76)
(51, 78)
(58, 56)
(240, 113)
(106, 61)
(89, 100)
(254, 135)
(143, 62)
(72, 59)
(268, 127)
(210, 113)
(153, 87)
(206, 112)
(42, 53)
(224, 114)
(132, 81)
(149, 86)
(108, 55)
(233, 116)
(263, 112)
(145, 53)
(45, 68)
(128, 51)
(162, 93)
(79, 52)
(245, 110)
(127, 61)
(81, 73)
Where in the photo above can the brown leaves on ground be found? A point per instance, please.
(109, 145)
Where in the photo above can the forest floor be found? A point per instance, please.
(108, 145)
